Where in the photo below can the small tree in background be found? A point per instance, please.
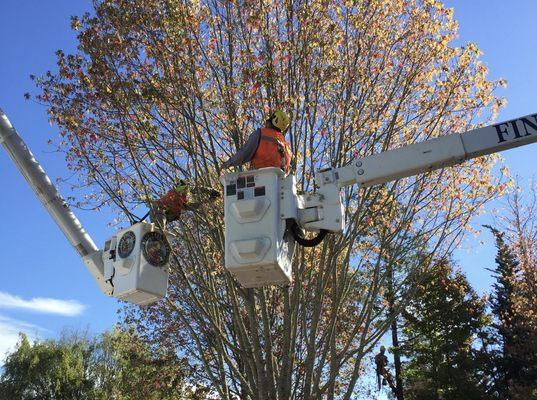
(117, 365)
(48, 370)
(515, 326)
(125, 367)
(440, 329)
(519, 222)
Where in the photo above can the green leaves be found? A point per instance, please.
(46, 370)
(116, 365)
(441, 326)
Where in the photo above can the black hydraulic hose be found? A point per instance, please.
(295, 230)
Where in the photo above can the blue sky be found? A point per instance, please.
(38, 266)
(44, 286)
(506, 32)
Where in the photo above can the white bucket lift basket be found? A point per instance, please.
(136, 262)
(258, 251)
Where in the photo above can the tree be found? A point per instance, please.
(117, 365)
(167, 88)
(48, 370)
(519, 222)
(520, 226)
(125, 367)
(441, 327)
(515, 328)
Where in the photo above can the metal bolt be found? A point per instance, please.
(337, 219)
(360, 172)
(282, 215)
(358, 163)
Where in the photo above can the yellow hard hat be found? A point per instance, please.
(280, 120)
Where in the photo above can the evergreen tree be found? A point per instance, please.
(514, 328)
(440, 328)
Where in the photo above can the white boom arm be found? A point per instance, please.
(411, 160)
(133, 266)
(437, 153)
(49, 196)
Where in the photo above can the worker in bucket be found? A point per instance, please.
(266, 147)
(182, 196)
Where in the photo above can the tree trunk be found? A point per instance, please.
(395, 339)
(397, 360)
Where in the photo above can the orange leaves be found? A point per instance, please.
(212, 44)
(254, 89)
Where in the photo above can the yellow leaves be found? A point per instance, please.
(195, 4)
(433, 3)
(510, 184)
(75, 23)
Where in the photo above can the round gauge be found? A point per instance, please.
(126, 244)
(155, 249)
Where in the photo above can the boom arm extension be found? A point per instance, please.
(52, 200)
(407, 161)
(437, 153)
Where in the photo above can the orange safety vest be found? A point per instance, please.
(172, 202)
(272, 151)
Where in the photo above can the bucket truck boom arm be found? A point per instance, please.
(49, 196)
(133, 266)
(437, 153)
(444, 151)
